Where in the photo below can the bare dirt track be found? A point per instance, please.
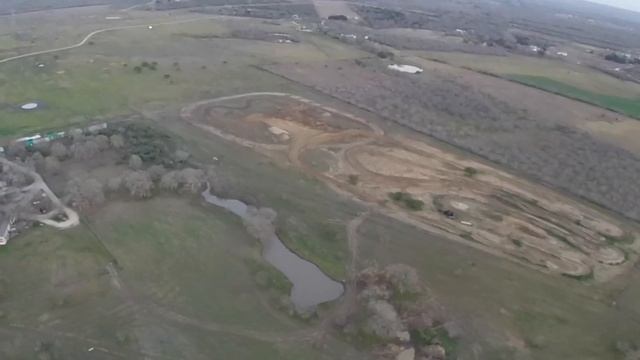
(39, 186)
(488, 208)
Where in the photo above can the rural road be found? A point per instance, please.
(125, 27)
(94, 33)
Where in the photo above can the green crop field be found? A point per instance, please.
(623, 105)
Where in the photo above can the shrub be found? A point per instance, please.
(407, 201)
(470, 172)
(354, 179)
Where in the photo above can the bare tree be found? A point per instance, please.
(16, 178)
(135, 162)
(117, 141)
(43, 147)
(403, 278)
(103, 142)
(52, 164)
(114, 184)
(85, 150)
(78, 135)
(170, 181)
(138, 183)
(192, 180)
(259, 222)
(29, 163)
(219, 182)
(383, 320)
(38, 160)
(156, 172)
(83, 193)
(59, 150)
(17, 150)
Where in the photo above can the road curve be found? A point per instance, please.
(125, 27)
(100, 31)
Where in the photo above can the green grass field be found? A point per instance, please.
(623, 105)
(182, 289)
(99, 81)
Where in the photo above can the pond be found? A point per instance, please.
(311, 286)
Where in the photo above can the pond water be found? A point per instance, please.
(311, 286)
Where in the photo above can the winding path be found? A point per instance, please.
(125, 27)
(100, 31)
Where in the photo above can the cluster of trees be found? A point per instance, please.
(151, 145)
(394, 308)
(152, 165)
(84, 192)
(181, 4)
(628, 350)
(46, 156)
(260, 223)
(286, 11)
(481, 27)
(622, 58)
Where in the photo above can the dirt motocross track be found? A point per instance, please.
(465, 200)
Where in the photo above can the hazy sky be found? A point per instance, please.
(626, 4)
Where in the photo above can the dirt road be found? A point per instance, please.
(40, 185)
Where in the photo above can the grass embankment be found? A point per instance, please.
(623, 105)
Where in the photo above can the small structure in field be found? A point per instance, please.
(29, 106)
(406, 68)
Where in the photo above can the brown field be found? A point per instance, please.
(493, 211)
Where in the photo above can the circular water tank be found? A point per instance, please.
(29, 106)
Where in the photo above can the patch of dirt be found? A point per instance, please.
(471, 202)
